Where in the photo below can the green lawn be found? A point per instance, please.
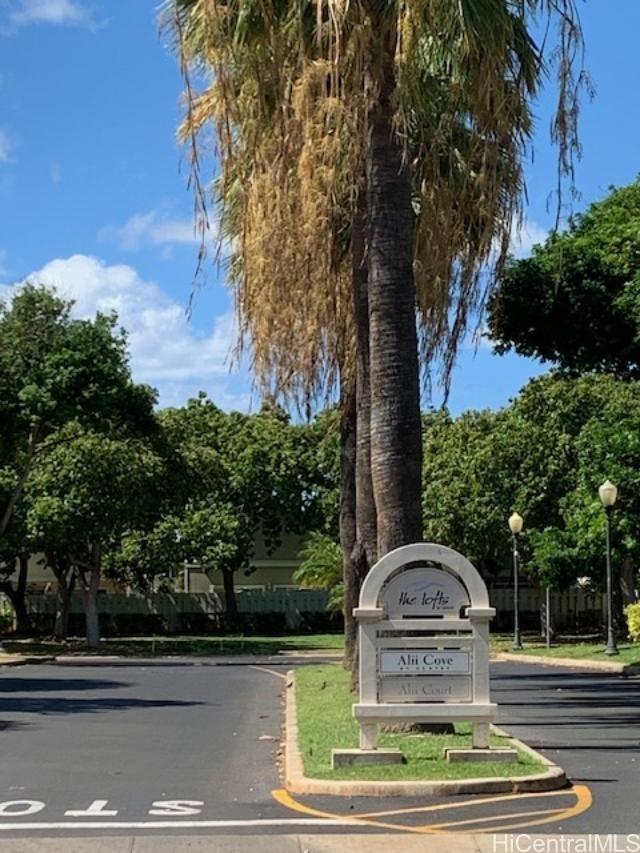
(325, 722)
(196, 646)
(629, 652)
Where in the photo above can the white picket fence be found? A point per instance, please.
(571, 609)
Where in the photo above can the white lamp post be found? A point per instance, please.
(608, 494)
(515, 526)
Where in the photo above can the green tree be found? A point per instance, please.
(242, 476)
(544, 456)
(576, 301)
(468, 486)
(87, 490)
(54, 369)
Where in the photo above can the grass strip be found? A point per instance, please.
(629, 652)
(325, 722)
(183, 646)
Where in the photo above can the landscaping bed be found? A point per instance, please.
(325, 722)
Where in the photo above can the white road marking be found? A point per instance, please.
(172, 824)
(7, 809)
(170, 808)
(96, 809)
(266, 669)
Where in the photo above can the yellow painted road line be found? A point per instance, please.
(584, 801)
(493, 817)
(581, 793)
(498, 798)
(280, 795)
(285, 799)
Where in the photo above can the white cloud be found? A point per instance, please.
(5, 147)
(151, 229)
(526, 237)
(67, 12)
(166, 350)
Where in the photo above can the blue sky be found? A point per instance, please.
(93, 198)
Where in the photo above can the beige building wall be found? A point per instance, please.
(268, 571)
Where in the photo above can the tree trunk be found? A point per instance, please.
(65, 576)
(628, 592)
(543, 618)
(23, 622)
(347, 521)
(63, 603)
(91, 600)
(230, 601)
(8, 511)
(396, 441)
(365, 550)
(16, 595)
(366, 520)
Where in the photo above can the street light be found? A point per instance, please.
(515, 526)
(608, 495)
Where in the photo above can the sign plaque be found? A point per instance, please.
(425, 689)
(425, 660)
(424, 592)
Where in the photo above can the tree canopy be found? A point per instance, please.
(55, 369)
(545, 456)
(576, 301)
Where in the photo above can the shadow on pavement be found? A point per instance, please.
(56, 705)
(60, 685)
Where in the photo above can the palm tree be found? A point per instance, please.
(339, 138)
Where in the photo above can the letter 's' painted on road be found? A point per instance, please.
(173, 807)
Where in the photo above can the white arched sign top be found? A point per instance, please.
(459, 566)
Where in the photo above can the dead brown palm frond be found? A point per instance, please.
(288, 92)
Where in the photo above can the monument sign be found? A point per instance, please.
(423, 633)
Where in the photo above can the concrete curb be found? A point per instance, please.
(573, 663)
(296, 782)
(22, 660)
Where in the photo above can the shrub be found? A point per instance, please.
(632, 613)
(6, 619)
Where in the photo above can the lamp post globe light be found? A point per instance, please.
(608, 494)
(515, 526)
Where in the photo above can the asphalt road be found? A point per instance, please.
(589, 724)
(143, 746)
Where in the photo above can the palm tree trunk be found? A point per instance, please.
(347, 520)
(396, 442)
(366, 520)
(365, 548)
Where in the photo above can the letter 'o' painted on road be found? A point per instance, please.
(18, 808)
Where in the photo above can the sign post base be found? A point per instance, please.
(455, 755)
(365, 757)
